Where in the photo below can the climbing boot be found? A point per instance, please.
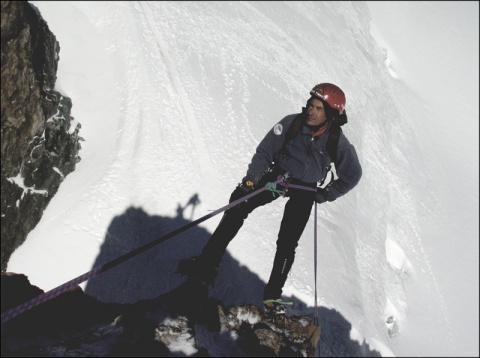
(276, 312)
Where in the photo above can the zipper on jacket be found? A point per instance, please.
(310, 145)
(309, 153)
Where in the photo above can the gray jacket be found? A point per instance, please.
(306, 158)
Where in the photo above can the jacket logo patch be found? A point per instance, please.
(278, 129)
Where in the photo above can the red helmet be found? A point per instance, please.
(331, 94)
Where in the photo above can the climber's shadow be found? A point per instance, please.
(151, 273)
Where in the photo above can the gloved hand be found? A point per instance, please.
(245, 187)
(320, 196)
(248, 185)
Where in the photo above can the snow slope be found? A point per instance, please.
(173, 98)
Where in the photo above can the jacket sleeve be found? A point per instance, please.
(268, 150)
(348, 170)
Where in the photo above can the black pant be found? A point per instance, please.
(295, 217)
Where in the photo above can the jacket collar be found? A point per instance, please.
(306, 130)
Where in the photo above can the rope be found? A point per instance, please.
(6, 316)
(303, 187)
(315, 317)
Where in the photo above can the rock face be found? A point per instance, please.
(183, 322)
(39, 147)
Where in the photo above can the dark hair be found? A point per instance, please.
(330, 112)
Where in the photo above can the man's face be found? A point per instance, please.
(316, 113)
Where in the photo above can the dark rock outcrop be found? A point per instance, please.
(183, 322)
(38, 146)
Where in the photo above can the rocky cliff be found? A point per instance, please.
(183, 322)
(39, 142)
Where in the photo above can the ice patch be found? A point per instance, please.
(397, 258)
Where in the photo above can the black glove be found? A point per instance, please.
(248, 185)
(244, 188)
(320, 197)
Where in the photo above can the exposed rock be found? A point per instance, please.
(183, 322)
(39, 147)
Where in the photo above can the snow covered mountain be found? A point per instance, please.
(173, 98)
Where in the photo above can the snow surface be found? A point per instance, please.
(173, 98)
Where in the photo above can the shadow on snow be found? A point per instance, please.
(152, 273)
